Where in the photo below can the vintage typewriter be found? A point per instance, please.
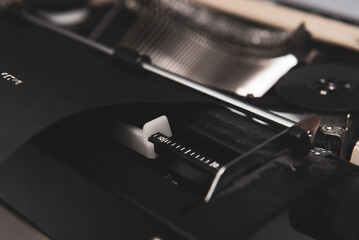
(178, 119)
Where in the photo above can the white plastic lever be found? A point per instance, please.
(137, 138)
(355, 154)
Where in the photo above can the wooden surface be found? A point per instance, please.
(13, 227)
(322, 28)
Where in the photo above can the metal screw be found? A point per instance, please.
(317, 153)
(323, 92)
(310, 133)
(328, 129)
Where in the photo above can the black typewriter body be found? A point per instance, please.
(65, 173)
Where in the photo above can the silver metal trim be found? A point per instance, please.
(229, 166)
(255, 111)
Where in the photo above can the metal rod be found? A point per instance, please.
(253, 110)
(106, 20)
